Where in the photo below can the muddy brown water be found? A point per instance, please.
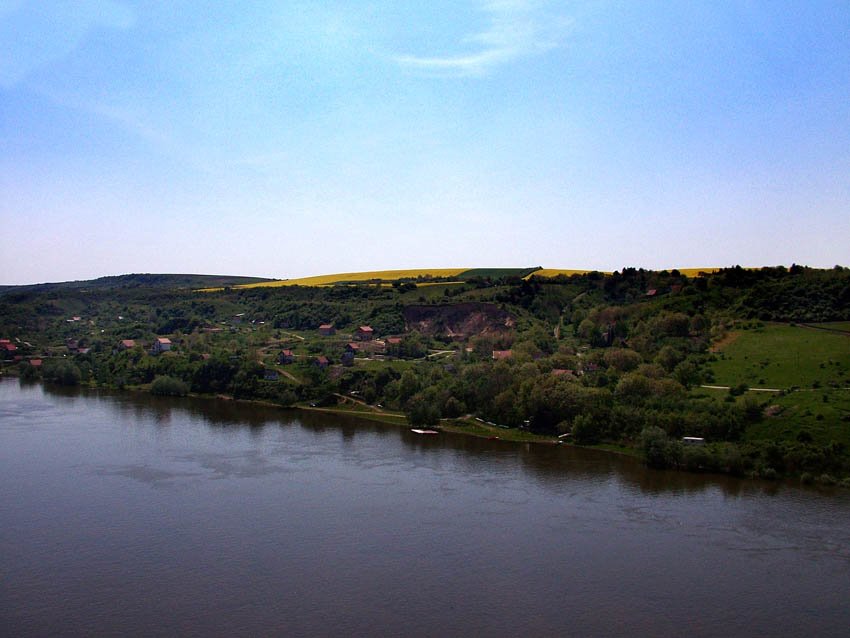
(132, 515)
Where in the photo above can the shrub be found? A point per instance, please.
(169, 387)
(63, 373)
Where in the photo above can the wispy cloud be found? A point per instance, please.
(34, 35)
(514, 29)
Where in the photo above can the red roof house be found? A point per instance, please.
(364, 333)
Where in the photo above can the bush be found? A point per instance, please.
(28, 372)
(585, 430)
(659, 451)
(169, 387)
(63, 373)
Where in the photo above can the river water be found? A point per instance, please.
(125, 514)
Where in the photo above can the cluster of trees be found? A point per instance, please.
(603, 357)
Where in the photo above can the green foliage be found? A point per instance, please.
(637, 359)
(28, 372)
(169, 387)
(659, 451)
(421, 410)
(62, 372)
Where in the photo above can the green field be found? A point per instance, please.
(805, 411)
(812, 366)
(496, 273)
(784, 356)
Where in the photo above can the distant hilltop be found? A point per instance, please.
(419, 276)
(437, 275)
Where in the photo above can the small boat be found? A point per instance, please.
(418, 431)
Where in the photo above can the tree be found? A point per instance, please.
(169, 387)
(422, 410)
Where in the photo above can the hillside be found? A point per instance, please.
(624, 358)
(141, 280)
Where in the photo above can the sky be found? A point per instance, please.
(287, 139)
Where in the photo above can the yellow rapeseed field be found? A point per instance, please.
(384, 275)
(393, 275)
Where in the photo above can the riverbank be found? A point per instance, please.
(741, 459)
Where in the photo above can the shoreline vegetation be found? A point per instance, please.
(731, 370)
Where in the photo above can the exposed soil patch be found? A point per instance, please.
(727, 340)
(459, 320)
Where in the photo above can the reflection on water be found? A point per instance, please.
(544, 461)
(127, 513)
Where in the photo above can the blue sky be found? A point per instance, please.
(296, 138)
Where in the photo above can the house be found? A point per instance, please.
(126, 344)
(322, 362)
(8, 350)
(72, 344)
(286, 357)
(348, 358)
(36, 363)
(352, 347)
(393, 346)
(364, 333)
(327, 330)
(499, 355)
(161, 344)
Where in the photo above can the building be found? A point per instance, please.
(8, 349)
(499, 355)
(364, 333)
(126, 344)
(327, 330)
(321, 361)
(160, 345)
(348, 358)
(286, 357)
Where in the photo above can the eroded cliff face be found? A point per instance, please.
(460, 321)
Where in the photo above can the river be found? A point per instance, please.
(132, 515)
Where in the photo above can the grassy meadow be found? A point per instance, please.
(811, 366)
(784, 356)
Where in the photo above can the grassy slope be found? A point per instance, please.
(783, 356)
(141, 280)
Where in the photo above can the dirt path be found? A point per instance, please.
(344, 397)
(728, 339)
(846, 333)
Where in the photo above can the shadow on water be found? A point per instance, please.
(543, 462)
